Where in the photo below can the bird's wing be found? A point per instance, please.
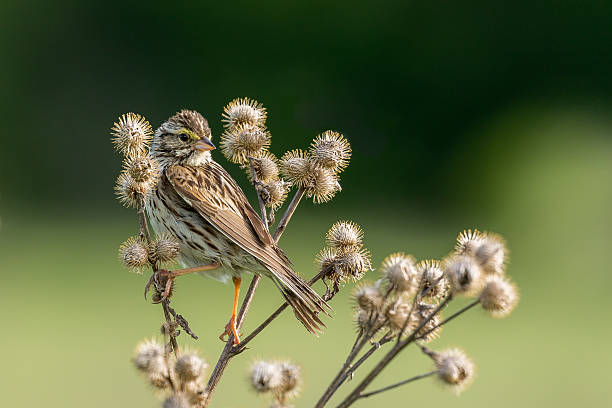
(212, 192)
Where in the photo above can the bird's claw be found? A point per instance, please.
(230, 328)
(161, 277)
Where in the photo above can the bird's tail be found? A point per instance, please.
(304, 301)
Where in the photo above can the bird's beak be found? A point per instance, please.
(204, 144)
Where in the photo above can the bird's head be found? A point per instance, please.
(183, 139)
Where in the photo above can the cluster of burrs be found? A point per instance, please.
(280, 379)
(406, 303)
(246, 141)
(343, 258)
(131, 136)
(179, 379)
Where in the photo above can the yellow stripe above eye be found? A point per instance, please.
(190, 133)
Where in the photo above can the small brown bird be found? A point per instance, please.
(220, 234)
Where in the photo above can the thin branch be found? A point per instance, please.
(448, 319)
(390, 387)
(387, 358)
(282, 224)
(348, 369)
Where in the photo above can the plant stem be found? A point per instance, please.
(282, 224)
(448, 319)
(390, 387)
(387, 358)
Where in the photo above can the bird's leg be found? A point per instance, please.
(170, 275)
(230, 327)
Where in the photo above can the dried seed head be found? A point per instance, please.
(491, 254)
(189, 367)
(275, 193)
(429, 331)
(327, 260)
(464, 273)
(142, 169)
(165, 248)
(177, 401)
(499, 296)
(265, 376)
(468, 241)
(244, 141)
(130, 192)
(242, 111)
(454, 368)
(149, 359)
(353, 265)
(345, 236)
(368, 297)
(399, 270)
(397, 314)
(322, 185)
(331, 151)
(297, 166)
(265, 166)
(133, 254)
(131, 134)
(290, 373)
(433, 279)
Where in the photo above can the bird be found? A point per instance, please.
(221, 236)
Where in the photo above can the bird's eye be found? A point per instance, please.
(183, 137)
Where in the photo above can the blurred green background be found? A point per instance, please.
(493, 115)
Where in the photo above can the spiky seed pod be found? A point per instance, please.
(243, 141)
(297, 167)
(149, 359)
(322, 185)
(423, 311)
(265, 376)
(433, 279)
(130, 192)
(491, 254)
(399, 271)
(243, 111)
(468, 241)
(331, 151)
(499, 296)
(142, 169)
(275, 193)
(353, 265)
(164, 249)
(133, 254)
(131, 134)
(328, 259)
(397, 313)
(368, 297)
(265, 166)
(289, 386)
(464, 273)
(345, 236)
(189, 367)
(454, 368)
(177, 401)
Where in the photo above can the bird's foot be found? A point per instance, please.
(161, 277)
(230, 328)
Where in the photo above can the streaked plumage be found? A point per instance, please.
(200, 204)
